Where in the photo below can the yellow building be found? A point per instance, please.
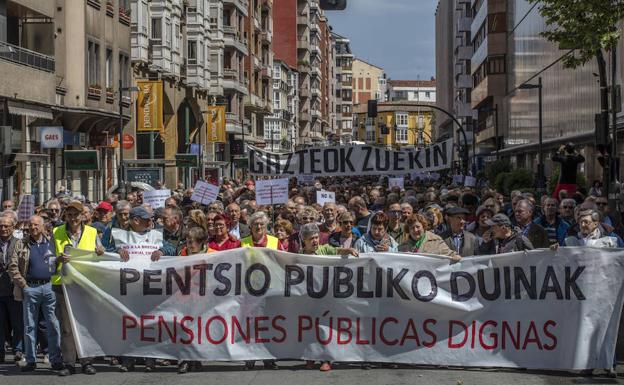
(398, 124)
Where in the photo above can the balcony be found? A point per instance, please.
(267, 72)
(316, 70)
(464, 24)
(304, 117)
(232, 38)
(464, 81)
(267, 37)
(233, 124)
(304, 92)
(314, 48)
(303, 19)
(303, 43)
(256, 23)
(241, 5)
(26, 57)
(316, 113)
(347, 84)
(256, 62)
(316, 91)
(230, 74)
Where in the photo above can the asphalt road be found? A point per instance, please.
(295, 373)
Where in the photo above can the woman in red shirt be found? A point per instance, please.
(221, 239)
(283, 230)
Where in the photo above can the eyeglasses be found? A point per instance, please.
(219, 226)
(55, 210)
(346, 222)
(307, 218)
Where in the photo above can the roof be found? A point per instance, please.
(370, 64)
(412, 83)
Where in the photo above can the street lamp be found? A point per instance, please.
(540, 154)
(120, 177)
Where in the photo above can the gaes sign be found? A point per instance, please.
(51, 137)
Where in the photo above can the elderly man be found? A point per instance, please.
(456, 238)
(54, 212)
(172, 233)
(237, 229)
(566, 210)
(502, 237)
(555, 227)
(80, 236)
(523, 213)
(362, 215)
(592, 232)
(406, 211)
(140, 240)
(10, 309)
(330, 225)
(395, 227)
(8, 205)
(30, 271)
(121, 220)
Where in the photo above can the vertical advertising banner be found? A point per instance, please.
(150, 106)
(215, 124)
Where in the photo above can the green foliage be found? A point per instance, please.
(519, 179)
(581, 180)
(492, 170)
(583, 26)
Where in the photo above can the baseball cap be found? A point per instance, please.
(454, 210)
(75, 205)
(499, 219)
(140, 212)
(105, 206)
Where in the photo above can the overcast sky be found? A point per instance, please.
(397, 35)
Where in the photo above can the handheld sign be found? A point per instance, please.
(396, 182)
(323, 197)
(470, 181)
(272, 191)
(156, 198)
(458, 179)
(205, 193)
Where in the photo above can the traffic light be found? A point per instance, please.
(372, 108)
(8, 165)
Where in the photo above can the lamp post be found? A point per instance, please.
(540, 154)
(120, 175)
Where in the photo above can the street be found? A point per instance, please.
(292, 372)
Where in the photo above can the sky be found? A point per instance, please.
(397, 35)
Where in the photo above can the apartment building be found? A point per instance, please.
(399, 124)
(445, 67)
(73, 54)
(369, 82)
(258, 68)
(328, 79)
(412, 90)
(280, 128)
(344, 88)
(488, 33)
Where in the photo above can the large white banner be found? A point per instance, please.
(539, 309)
(351, 160)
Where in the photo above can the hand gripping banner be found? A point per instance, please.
(537, 309)
(351, 160)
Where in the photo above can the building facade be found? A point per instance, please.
(399, 124)
(280, 128)
(344, 88)
(412, 90)
(369, 82)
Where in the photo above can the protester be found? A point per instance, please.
(283, 230)
(502, 237)
(592, 232)
(237, 229)
(8, 205)
(348, 234)
(30, 271)
(456, 238)
(395, 227)
(376, 238)
(11, 320)
(362, 215)
(555, 227)
(422, 240)
(223, 239)
(523, 213)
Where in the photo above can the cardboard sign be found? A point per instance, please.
(458, 179)
(470, 181)
(156, 198)
(305, 179)
(205, 193)
(323, 197)
(396, 182)
(272, 191)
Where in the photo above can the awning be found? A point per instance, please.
(30, 110)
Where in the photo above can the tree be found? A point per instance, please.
(587, 28)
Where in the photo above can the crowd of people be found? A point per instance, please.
(366, 217)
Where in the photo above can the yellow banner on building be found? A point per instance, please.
(215, 124)
(150, 106)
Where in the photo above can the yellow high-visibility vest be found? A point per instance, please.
(87, 242)
(272, 242)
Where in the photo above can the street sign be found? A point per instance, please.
(147, 175)
(51, 137)
(186, 160)
(82, 160)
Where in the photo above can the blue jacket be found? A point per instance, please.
(561, 227)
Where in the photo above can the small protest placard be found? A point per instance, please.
(272, 191)
(156, 198)
(26, 207)
(205, 193)
(396, 182)
(458, 179)
(470, 181)
(305, 179)
(323, 197)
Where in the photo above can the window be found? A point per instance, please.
(496, 65)
(401, 119)
(168, 32)
(191, 53)
(157, 30)
(93, 63)
(109, 68)
(277, 71)
(124, 69)
(176, 40)
(370, 135)
(347, 124)
(400, 134)
(428, 95)
(277, 100)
